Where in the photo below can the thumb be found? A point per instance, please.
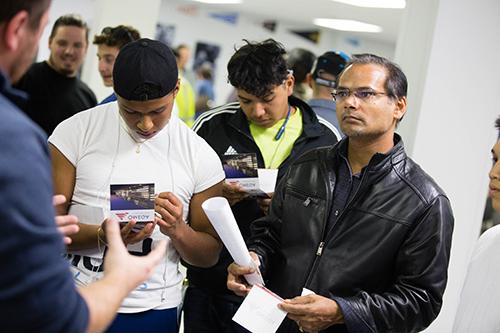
(58, 199)
(158, 252)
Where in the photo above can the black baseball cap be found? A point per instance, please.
(145, 69)
(330, 62)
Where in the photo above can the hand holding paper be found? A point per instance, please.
(312, 312)
(259, 312)
(220, 215)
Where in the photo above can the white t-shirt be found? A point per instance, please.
(97, 142)
(479, 309)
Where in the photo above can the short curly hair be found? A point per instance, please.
(258, 67)
(117, 36)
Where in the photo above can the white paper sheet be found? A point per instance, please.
(220, 215)
(267, 179)
(306, 292)
(259, 312)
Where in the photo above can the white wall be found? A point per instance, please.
(141, 15)
(453, 72)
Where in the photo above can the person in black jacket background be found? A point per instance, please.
(360, 224)
(278, 128)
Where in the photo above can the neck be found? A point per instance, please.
(51, 65)
(360, 149)
(322, 93)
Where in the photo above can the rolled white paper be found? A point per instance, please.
(220, 215)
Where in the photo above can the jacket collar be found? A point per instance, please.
(18, 97)
(378, 161)
(310, 123)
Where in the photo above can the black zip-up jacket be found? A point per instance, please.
(227, 126)
(385, 259)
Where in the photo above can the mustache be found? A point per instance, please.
(351, 115)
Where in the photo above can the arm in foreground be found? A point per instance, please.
(122, 274)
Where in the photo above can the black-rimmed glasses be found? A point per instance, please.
(363, 94)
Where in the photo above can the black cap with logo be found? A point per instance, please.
(144, 70)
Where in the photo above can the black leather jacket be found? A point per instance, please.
(385, 259)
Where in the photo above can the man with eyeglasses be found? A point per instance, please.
(270, 123)
(54, 88)
(109, 42)
(359, 224)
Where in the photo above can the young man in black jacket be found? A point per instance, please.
(360, 224)
(275, 126)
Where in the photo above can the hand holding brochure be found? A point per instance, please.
(220, 215)
(242, 168)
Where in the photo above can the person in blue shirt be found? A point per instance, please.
(322, 81)
(37, 293)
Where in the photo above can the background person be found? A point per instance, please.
(322, 80)
(109, 42)
(300, 61)
(54, 88)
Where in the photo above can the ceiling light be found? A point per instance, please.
(220, 2)
(347, 25)
(375, 3)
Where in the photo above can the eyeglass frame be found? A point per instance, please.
(356, 93)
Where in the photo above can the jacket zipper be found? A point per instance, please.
(322, 243)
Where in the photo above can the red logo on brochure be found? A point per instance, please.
(121, 216)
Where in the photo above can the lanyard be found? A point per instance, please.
(282, 128)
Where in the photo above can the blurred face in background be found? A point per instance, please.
(106, 56)
(183, 58)
(67, 50)
(495, 177)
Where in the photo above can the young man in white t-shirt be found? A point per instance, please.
(137, 140)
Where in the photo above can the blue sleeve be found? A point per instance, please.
(37, 292)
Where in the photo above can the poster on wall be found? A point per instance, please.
(165, 33)
(269, 25)
(231, 18)
(205, 54)
(310, 35)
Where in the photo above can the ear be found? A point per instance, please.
(309, 80)
(289, 84)
(177, 87)
(15, 30)
(400, 109)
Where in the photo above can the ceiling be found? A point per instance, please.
(302, 13)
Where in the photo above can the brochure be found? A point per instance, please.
(242, 168)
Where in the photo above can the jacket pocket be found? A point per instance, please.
(305, 198)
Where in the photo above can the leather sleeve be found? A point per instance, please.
(266, 231)
(415, 298)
